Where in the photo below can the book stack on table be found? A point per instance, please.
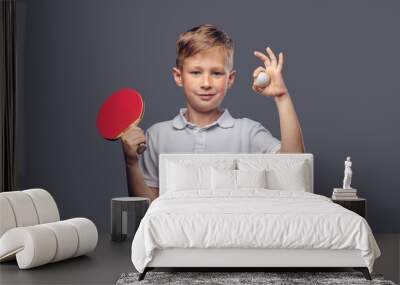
(344, 194)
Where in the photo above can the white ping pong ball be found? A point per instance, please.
(262, 80)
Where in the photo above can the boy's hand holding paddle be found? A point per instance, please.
(133, 140)
(268, 80)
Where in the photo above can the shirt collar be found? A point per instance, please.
(224, 121)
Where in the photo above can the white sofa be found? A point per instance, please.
(31, 231)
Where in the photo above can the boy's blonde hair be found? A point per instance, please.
(201, 38)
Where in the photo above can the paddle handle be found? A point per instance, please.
(141, 148)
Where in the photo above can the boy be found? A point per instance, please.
(204, 69)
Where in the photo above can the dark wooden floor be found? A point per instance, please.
(110, 260)
(102, 266)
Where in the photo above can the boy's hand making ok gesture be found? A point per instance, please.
(273, 68)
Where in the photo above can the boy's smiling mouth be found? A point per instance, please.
(206, 94)
(206, 97)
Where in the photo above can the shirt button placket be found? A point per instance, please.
(199, 145)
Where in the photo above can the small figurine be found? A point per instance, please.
(347, 174)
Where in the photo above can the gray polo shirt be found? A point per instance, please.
(225, 135)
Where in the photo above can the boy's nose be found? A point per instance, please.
(206, 82)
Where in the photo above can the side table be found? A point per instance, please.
(358, 205)
(126, 214)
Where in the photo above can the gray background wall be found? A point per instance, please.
(342, 61)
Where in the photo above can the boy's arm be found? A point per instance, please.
(291, 136)
(130, 140)
(136, 185)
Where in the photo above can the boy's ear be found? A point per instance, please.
(231, 79)
(177, 76)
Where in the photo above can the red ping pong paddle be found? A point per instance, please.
(122, 109)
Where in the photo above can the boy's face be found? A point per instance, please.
(205, 78)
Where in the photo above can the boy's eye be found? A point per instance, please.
(218, 73)
(195, 72)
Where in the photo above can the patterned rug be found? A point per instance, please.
(230, 278)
